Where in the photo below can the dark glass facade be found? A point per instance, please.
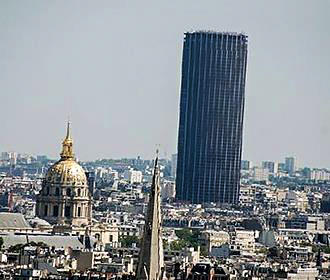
(211, 117)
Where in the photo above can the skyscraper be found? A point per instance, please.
(290, 165)
(211, 117)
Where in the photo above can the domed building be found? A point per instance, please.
(65, 198)
(65, 201)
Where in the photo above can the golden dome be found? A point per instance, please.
(67, 171)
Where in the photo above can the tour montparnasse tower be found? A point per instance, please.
(211, 117)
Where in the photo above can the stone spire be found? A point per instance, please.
(151, 258)
(67, 145)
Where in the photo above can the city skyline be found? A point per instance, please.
(49, 75)
(162, 155)
(164, 140)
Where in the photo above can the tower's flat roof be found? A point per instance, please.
(217, 32)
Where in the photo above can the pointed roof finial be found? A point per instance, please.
(67, 144)
(157, 150)
(68, 130)
(157, 155)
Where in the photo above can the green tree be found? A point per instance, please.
(128, 240)
(16, 248)
(183, 233)
(178, 245)
(165, 244)
(324, 249)
(263, 251)
(305, 244)
(189, 238)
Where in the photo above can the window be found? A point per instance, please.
(57, 192)
(67, 211)
(55, 211)
(68, 192)
(79, 211)
(79, 192)
(111, 238)
(46, 210)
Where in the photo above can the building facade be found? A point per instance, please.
(211, 117)
(271, 166)
(246, 165)
(174, 161)
(260, 174)
(133, 176)
(319, 175)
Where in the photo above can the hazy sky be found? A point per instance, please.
(114, 67)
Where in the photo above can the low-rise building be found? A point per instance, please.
(133, 176)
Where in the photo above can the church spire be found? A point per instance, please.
(67, 149)
(151, 258)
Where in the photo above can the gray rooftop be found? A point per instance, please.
(12, 220)
(57, 241)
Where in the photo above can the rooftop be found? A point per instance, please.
(13, 220)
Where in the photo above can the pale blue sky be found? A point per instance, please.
(114, 67)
